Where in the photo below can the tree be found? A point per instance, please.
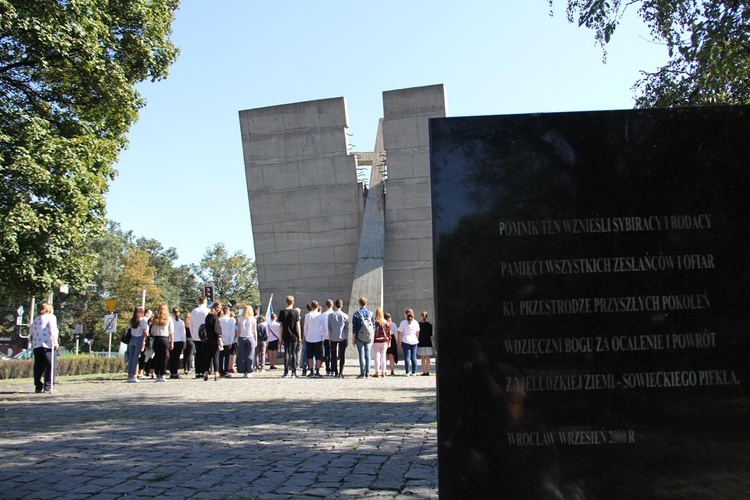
(67, 76)
(708, 43)
(137, 275)
(177, 284)
(234, 277)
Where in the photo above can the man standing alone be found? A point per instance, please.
(291, 335)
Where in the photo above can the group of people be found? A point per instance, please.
(317, 340)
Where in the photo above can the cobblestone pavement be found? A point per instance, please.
(258, 438)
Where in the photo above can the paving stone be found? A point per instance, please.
(282, 439)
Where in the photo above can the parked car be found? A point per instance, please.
(25, 354)
(29, 353)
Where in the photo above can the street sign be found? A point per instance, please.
(110, 323)
(111, 303)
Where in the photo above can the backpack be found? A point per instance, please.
(380, 334)
(126, 335)
(202, 333)
(366, 329)
(262, 333)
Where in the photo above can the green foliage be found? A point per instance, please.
(708, 43)
(67, 77)
(234, 277)
(177, 284)
(66, 365)
(125, 267)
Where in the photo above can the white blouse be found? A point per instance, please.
(44, 331)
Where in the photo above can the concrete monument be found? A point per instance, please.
(318, 232)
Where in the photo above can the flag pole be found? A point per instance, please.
(268, 309)
(52, 371)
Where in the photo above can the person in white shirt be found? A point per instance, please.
(229, 339)
(326, 339)
(314, 338)
(408, 339)
(44, 340)
(162, 333)
(197, 318)
(247, 340)
(138, 327)
(179, 344)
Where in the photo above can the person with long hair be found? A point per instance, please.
(213, 341)
(138, 332)
(146, 359)
(247, 340)
(45, 341)
(381, 339)
(424, 349)
(408, 339)
(180, 336)
(392, 351)
(162, 333)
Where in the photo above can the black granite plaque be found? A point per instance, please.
(593, 304)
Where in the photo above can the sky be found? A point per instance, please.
(182, 179)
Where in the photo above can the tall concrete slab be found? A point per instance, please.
(305, 203)
(408, 263)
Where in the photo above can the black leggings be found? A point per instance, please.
(174, 358)
(161, 350)
(212, 357)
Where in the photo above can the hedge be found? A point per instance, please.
(69, 365)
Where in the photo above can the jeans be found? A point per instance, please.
(378, 349)
(134, 352)
(187, 355)
(410, 355)
(291, 355)
(327, 355)
(337, 353)
(260, 354)
(224, 367)
(364, 349)
(201, 356)
(43, 368)
(303, 355)
(246, 355)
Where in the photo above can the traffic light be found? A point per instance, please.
(208, 291)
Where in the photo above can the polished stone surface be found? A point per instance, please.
(592, 286)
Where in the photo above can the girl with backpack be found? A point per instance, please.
(381, 341)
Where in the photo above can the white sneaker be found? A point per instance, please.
(132, 380)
